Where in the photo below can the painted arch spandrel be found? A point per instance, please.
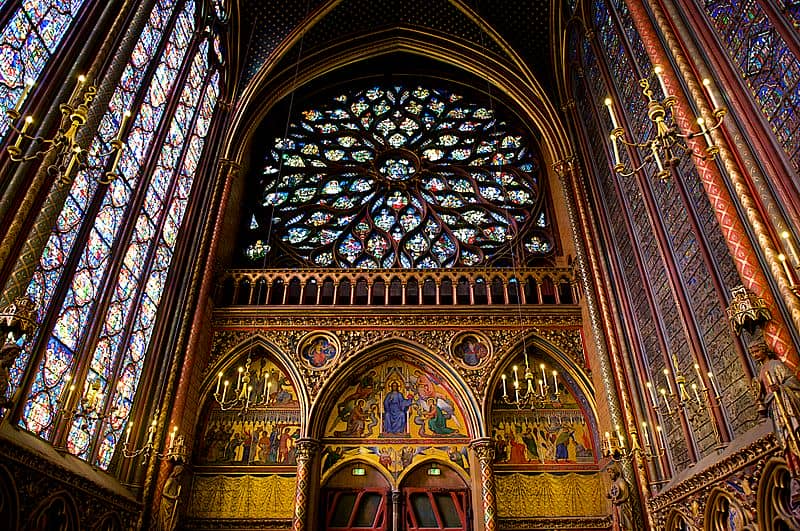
(266, 435)
(395, 415)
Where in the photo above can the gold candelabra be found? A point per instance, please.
(536, 394)
(677, 398)
(667, 140)
(69, 154)
(614, 447)
(175, 451)
(242, 396)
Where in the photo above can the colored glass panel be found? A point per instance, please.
(393, 176)
(768, 66)
(94, 258)
(27, 42)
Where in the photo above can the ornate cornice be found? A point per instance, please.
(714, 475)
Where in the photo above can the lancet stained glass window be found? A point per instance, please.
(394, 176)
(29, 39)
(767, 64)
(128, 293)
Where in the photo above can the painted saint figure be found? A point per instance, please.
(395, 412)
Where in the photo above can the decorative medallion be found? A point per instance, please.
(318, 350)
(471, 349)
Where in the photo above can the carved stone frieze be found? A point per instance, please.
(236, 523)
(38, 478)
(735, 476)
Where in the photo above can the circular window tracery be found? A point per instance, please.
(399, 177)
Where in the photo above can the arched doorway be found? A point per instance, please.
(356, 497)
(435, 497)
(431, 497)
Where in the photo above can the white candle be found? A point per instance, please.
(616, 150)
(645, 434)
(269, 386)
(661, 436)
(25, 125)
(266, 384)
(239, 382)
(704, 131)
(128, 433)
(172, 437)
(660, 75)
(125, 116)
(713, 384)
(619, 437)
(699, 377)
(505, 391)
(653, 401)
(790, 247)
(78, 87)
(219, 381)
(610, 106)
(151, 431)
(707, 85)
(224, 390)
(666, 402)
(516, 390)
(608, 440)
(541, 387)
(654, 149)
(555, 382)
(26, 89)
(544, 376)
(789, 277)
(666, 378)
(696, 396)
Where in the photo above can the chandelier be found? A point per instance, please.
(536, 393)
(667, 142)
(63, 143)
(241, 397)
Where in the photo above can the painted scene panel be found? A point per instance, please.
(267, 433)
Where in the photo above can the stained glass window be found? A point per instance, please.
(767, 64)
(30, 38)
(394, 176)
(128, 293)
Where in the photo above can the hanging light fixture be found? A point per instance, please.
(68, 153)
(667, 143)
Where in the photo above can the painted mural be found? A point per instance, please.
(263, 434)
(557, 434)
(471, 350)
(319, 350)
(394, 415)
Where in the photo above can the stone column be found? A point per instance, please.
(484, 451)
(306, 450)
(397, 501)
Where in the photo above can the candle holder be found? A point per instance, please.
(614, 448)
(688, 398)
(537, 393)
(175, 451)
(69, 155)
(88, 408)
(667, 144)
(242, 396)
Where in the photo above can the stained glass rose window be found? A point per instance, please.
(399, 177)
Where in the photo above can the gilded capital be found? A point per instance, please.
(484, 449)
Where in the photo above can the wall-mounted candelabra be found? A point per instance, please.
(691, 398)
(242, 397)
(790, 263)
(175, 451)
(69, 155)
(653, 447)
(536, 393)
(667, 143)
(89, 408)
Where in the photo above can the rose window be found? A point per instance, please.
(399, 177)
